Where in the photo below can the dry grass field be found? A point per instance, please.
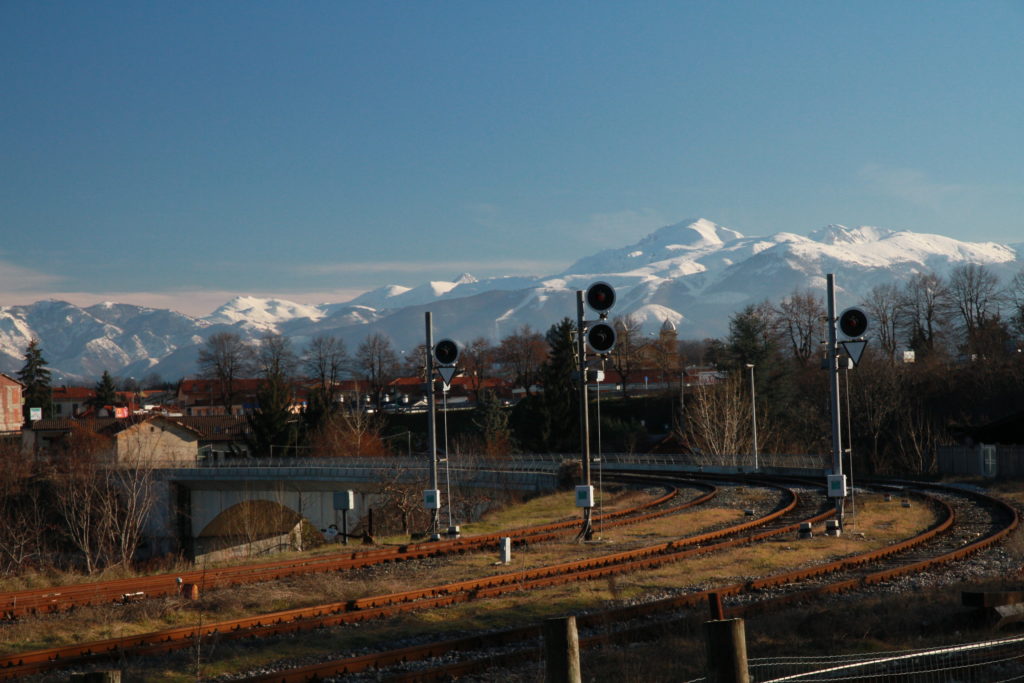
(878, 622)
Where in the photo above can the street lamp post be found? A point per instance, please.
(753, 410)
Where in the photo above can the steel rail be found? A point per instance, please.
(59, 598)
(328, 615)
(692, 600)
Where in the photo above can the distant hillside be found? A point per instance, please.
(694, 273)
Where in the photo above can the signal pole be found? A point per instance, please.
(587, 531)
(833, 391)
(431, 429)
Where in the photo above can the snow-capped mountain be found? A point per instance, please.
(695, 274)
(263, 314)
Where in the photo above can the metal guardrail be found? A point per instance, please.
(521, 461)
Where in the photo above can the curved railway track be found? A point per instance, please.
(14, 604)
(984, 521)
(922, 551)
(20, 664)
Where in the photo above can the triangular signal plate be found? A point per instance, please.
(447, 372)
(855, 349)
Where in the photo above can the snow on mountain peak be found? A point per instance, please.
(691, 234)
(263, 312)
(840, 234)
(690, 275)
(681, 240)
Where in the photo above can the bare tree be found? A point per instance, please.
(917, 435)
(275, 358)
(1015, 294)
(377, 361)
(626, 356)
(325, 360)
(129, 500)
(349, 433)
(875, 396)
(883, 307)
(477, 361)
(799, 322)
(401, 501)
(520, 356)
(697, 352)
(80, 490)
(718, 419)
(664, 354)
(23, 519)
(975, 294)
(225, 358)
(924, 305)
(414, 363)
(105, 502)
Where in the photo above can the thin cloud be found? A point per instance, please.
(196, 303)
(503, 266)
(16, 279)
(484, 215)
(618, 228)
(909, 185)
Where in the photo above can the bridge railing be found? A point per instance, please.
(525, 462)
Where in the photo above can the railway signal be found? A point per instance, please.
(853, 323)
(599, 337)
(446, 354)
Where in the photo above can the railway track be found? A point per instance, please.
(16, 665)
(14, 604)
(984, 521)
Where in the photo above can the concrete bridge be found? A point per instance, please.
(258, 507)
(255, 508)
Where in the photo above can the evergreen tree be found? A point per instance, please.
(106, 391)
(273, 423)
(35, 376)
(492, 421)
(751, 338)
(550, 422)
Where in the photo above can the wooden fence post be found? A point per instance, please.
(561, 650)
(97, 677)
(726, 647)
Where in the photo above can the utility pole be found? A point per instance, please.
(832, 361)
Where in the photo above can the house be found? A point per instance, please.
(165, 441)
(222, 437)
(463, 390)
(11, 404)
(155, 440)
(71, 401)
(204, 397)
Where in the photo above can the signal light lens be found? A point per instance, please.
(853, 322)
(601, 337)
(600, 296)
(446, 352)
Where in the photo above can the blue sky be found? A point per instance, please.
(176, 154)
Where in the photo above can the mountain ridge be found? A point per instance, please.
(694, 273)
